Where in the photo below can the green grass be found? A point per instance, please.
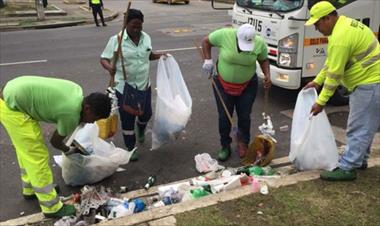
(307, 203)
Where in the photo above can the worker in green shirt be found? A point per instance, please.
(236, 79)
(136, 49)
(27, 100)
(353, 61)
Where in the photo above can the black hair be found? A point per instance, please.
(100, 104)
(135, 14)
(333, 13)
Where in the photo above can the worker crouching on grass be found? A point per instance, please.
(353, 60)
(24, 102)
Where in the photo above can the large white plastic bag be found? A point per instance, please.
(173, 106)
(105, 158)
(312, 140)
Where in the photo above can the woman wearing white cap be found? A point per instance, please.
(236, 79)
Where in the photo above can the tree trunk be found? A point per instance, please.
(40, 10)
(2, 4)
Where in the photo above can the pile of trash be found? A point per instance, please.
(98, 204)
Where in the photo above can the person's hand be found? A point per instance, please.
(267, 82)
(165, 55)
(316, 109)
(208, 67)
(312, 85)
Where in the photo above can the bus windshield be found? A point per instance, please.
(271, 5)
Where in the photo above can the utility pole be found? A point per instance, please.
(40, 10)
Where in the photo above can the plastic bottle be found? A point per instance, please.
(197, 193)
(139, 205)
(256, 170)
(150, 182)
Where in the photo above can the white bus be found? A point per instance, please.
(296, 52)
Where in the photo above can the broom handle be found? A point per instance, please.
(214, 85)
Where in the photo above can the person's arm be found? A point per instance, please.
(206, 48)
(333, 73)
(264, 65)
(156, 56)
(106, 64)
(57, 141)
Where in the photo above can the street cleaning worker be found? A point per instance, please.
(136, 49)
(27, 100)
(353, 60)
(96, 6)
(236, 79)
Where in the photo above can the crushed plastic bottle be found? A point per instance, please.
(199, 192)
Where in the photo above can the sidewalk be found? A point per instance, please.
(58, 14)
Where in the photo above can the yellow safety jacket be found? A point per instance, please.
(353, 58)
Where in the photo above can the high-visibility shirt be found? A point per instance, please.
(353, 58)
(46, 99)
(95, 2)
(233, 66)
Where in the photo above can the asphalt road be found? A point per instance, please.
(73, 53)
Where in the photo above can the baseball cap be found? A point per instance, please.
(246, 35)
(318, 11)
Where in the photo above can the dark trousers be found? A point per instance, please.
(128, 120)
(243, 105)
(97, 9)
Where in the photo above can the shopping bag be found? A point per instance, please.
(312, 140)
(103, 159)
(173, 105)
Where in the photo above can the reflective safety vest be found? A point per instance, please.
(95, 2)
(353, 58)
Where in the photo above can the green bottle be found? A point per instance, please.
(150, 182)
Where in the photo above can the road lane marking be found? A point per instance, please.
(178, 49)
(23, 62)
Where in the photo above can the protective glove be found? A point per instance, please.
(208, 67)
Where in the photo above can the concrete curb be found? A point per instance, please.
(157, 215)
(53, 23)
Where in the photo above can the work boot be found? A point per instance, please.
(33, 196)
(224, 153)
(66, 210)
(140, 134)
(338, 175)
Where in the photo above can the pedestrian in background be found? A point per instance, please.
(97, 6)
(27, 100)
(236, 79)
(353, 60)
(136, 49)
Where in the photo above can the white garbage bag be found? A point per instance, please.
(312, 140)
(204, 163)
(173, 106)
(103, 161)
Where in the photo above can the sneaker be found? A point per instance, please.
(224, 153)
(33, 196)
(66, 210)
(134, 156)
(338, 175)
(140, 134)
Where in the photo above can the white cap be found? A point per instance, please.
(246, 36)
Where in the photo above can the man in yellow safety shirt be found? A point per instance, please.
(353, 60)
(24, 102)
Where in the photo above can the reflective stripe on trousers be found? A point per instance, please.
(32, 156)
